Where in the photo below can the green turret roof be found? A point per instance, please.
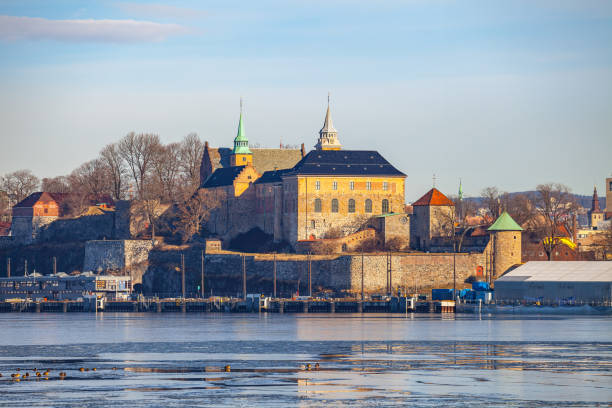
(505, 223)
(241, 143)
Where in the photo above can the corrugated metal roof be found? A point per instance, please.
(559, 271)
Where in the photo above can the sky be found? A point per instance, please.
(496, 93)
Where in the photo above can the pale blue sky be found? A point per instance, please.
(505, 93)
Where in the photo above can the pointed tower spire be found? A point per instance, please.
(241, 154)
(595, 201)
(328, 136)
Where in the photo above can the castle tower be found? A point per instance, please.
(505, 243)
(328, 136)
(241, 154)
(595, 215)
(431, 215)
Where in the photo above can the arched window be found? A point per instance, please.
(368, 206)
(318, 205)
(335, 205)
(351, 206)
(385, 206)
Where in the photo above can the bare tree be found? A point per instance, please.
(139, 151)
(492, 201)
(194, 212)
(190, 154)
(165, 173)
(521, 209)
(92, 179)
(5, 209)
(603, 244)
(88, 182)
(115, 166)
(557, 206)
(59, 184)
(454, 227)
(19, 184)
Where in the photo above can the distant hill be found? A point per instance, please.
(583, 200)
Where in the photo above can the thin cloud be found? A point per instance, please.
(117, 31)
(156, 10)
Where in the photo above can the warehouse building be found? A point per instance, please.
(555, 282)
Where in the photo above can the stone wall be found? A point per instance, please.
(339, 273)
(336, 245)
(83, 228)
(414, 270)
(27, 229)
(128, 256)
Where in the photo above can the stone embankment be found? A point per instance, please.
(341, 274)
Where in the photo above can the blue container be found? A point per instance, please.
(441, 294)
(467, 294)
(481, 286)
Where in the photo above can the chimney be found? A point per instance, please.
(303, 150)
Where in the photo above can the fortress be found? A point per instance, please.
(297, 196)
(329, 195)
(340, 197)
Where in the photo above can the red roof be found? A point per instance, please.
(433, 197)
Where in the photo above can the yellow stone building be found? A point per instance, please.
(329, 189)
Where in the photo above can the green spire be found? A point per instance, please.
(241, 143)
(460, 191)
(505, 223)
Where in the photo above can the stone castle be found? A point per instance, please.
(300, 198)
(296, 196)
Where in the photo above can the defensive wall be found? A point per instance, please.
(338, 273)
(89, 227)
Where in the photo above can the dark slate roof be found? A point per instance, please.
(345, 162)
(223, 176)
(33, 198)
(273, 176)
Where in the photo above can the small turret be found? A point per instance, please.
(505, 244)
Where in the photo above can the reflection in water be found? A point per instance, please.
(370, 360)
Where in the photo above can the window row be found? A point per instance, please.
(318, 205)
(368, 185)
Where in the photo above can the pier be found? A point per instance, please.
(231, 305)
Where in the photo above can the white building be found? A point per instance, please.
(62, 286)
(552, 282)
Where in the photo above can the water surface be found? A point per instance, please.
(373, 360)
